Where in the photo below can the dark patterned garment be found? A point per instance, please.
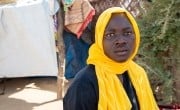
(83, 94)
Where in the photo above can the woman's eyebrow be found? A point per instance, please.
(127, 28)
(109, 30)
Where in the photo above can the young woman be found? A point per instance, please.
(112, 80)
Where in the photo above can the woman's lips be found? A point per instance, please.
(121, 52)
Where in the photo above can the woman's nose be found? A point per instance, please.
(120, 41)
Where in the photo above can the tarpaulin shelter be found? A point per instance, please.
(27, 42)
(27, 38)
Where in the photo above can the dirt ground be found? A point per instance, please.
(37, 93)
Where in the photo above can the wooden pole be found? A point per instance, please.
(61, 55)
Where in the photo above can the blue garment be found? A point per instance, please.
(76, 53)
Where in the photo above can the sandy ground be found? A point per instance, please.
(30, 94)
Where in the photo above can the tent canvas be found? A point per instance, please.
(27, 43)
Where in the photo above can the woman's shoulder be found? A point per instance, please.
(88, 72)
(83, 91)
(85, 82)
(85, 76)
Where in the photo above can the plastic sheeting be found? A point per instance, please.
(27, 44)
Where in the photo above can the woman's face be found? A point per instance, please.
(119, 38)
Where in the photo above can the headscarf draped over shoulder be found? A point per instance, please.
(112, 95)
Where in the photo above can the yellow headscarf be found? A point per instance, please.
(112, 95)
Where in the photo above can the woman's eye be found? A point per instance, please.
(128, 33)
(110, 35)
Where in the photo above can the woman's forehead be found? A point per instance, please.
(119, 16)
(118, 19)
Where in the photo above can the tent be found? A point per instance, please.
(27, 41)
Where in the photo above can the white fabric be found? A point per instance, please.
(27, 44)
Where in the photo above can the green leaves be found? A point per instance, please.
(160, 47)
